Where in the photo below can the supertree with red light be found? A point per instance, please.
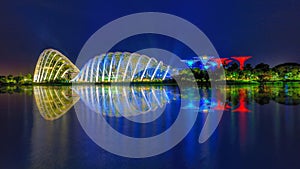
(241, 60)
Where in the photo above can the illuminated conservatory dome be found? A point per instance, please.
(53, 66)
(122, 67)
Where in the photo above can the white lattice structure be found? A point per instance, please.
(52, 66)
(122, 67)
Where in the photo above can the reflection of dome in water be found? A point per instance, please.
(120, 101)
(114, 101)
(111, 67)
(54, 102)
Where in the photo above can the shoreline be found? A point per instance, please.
(229, 82)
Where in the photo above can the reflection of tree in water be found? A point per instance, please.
(262, 95)
(287, 94)
(16, 89)
(232, 95)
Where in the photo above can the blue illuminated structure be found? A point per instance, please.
(201, 62)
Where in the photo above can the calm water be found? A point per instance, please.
(260, 127)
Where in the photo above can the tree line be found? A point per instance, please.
(16, 80)
(260, 73)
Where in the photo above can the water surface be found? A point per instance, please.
(259, 127)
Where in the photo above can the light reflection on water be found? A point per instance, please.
(260, 125)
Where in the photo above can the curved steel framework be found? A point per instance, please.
(122, 67)
(53, 66)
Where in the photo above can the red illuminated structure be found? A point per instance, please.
(241, 60)
(220, 61)
(222, 107)
(242, 107)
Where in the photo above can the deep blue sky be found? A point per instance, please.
(269, 30)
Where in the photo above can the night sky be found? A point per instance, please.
(268, 30)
